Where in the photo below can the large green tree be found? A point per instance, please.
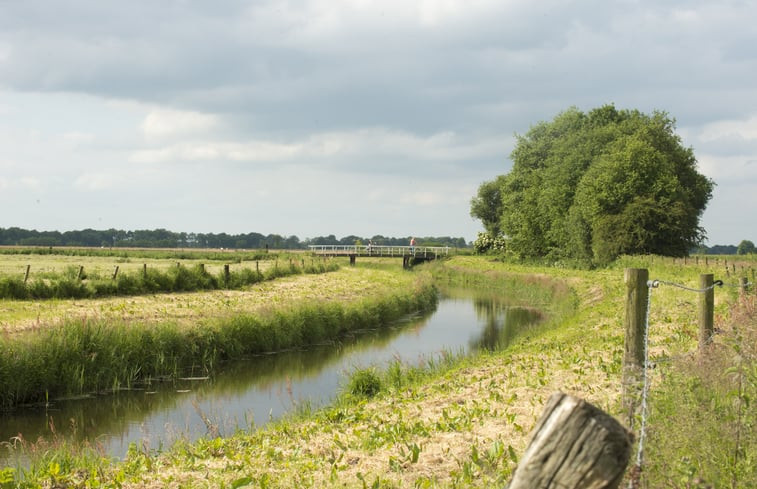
(593, 186)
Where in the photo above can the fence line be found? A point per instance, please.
(707, 287)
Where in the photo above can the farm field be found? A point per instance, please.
(45, 266)
(345, 284)
(464, 422)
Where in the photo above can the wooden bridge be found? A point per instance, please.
(410, 254)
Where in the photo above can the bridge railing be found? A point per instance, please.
(379, 250)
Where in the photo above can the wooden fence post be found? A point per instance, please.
(706, 310)
(144, 270)
(743, 287)
(115, 273)
(637, 297)
(81, 272)
(226, 273)
(574, 445)
(26, 275)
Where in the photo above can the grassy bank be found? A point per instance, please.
(90, 354)
(463, 422)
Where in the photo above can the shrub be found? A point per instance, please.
(365, 382)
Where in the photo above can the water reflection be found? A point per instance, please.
(250, 392)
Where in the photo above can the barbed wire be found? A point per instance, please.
(717, 283)
(653, 284)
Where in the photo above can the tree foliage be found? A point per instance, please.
(746, 247)
(592, 186)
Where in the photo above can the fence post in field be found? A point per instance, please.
(26, 275)
(574, 445)
(257, 267)
(706, 310)
(637, 297)
(144, 270)
(226, 273)
(202, 268)
(115, 273)
(743, 287)
(81, 272)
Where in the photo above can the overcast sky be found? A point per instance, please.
(320, 117)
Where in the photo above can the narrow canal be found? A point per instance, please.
(251, 392)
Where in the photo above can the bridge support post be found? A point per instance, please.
(352, 260)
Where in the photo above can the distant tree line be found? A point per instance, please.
(162, 238)
(746, 247)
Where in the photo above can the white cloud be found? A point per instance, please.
(726, 129)
(729, 169)
(165, 123)
(96, 181)
(30, 183)
(370, 143)
(77, 139)
(422, 198)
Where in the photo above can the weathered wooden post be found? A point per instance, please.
(352, 260)
(115, 273)
(144, 270)
(743, 287)
(257, 267)
(202, 268)
(26, 275)
(226, 273)
(637, 298)
(574, 445)
(81, 272)
(706, 310)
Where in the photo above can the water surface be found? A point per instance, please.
(250, 392)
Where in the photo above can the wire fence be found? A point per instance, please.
(635, 479)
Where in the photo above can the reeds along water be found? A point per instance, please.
(174, 279)
(91, 355)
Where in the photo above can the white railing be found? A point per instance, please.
(378, 250)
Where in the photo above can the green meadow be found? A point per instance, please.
(454, 422)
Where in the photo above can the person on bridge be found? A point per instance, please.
(412, 245)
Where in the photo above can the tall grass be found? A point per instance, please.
(703, 425)
(88, 355)
(69, 285)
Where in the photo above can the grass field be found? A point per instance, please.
(464, 422)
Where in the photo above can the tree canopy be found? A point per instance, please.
(592, 186)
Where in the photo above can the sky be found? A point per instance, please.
(318, 117)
